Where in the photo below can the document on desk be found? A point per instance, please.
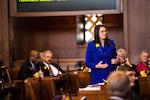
(93, 87)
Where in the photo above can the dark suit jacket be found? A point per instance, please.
(134, 96)
(26, 70)
(46, 70)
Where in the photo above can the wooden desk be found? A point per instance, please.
(14, 89)
(83, 78)
(93, 94)
(47, 87)
(144, 83)
(39, 89)
(9, 89)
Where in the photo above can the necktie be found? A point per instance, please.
(50, 70)
(34, 67)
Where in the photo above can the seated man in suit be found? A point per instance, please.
(134, 86)
(47, 67)
(28, 68)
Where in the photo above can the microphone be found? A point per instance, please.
(11, 64)
(58, 63)
(57, 59)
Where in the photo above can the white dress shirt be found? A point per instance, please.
(53, 68)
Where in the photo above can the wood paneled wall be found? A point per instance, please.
(55, 33)
(59, 33)
(136, 27)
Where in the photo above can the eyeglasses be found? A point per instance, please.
(104, 31)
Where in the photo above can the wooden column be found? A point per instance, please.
(4, 33)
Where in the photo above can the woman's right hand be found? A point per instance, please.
(100, 65)
(114, 61)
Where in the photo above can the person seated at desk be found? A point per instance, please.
(28, 68)
(47, 67)
(134, 86)
(143, 63)
(118, 86)
(121, 58)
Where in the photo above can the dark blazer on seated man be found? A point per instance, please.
(50, 69)
(28, 68)
(47, 67)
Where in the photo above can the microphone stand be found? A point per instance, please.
(40, 83)
(40, 88)
(57, 59)
(11, 64)
(58, 63)
(68, 83)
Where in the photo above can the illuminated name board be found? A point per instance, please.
(63, 7)
(40, 0)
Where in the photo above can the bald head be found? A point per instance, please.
(118, 84)
(33, 52)
(34, 56)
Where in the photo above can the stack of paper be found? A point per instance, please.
(93, 87)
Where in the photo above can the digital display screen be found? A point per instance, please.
(22, 8)
(64, 5)
(40, 0)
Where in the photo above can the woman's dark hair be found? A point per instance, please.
(96, 35)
